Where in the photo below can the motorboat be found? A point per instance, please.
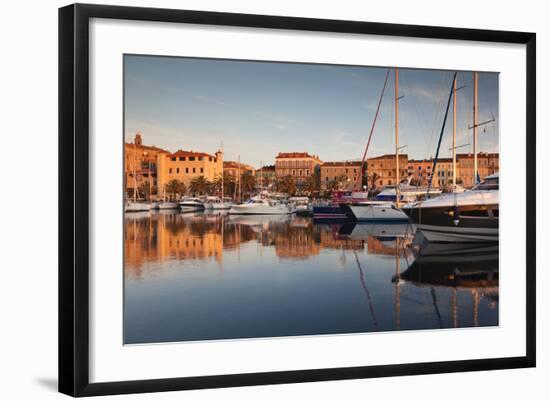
(191, 204)
(258, 205)
(470, 216)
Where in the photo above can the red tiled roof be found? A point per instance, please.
(341, 164)
(294, 155)
(187, 153)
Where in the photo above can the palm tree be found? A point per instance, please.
(199, 185)
(175, 187)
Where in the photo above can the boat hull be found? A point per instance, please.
(259, 210)
(384, 212)
(475, 223)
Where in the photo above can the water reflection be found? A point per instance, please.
(200, 276)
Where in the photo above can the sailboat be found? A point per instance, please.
(384, 211)
(470, 216)
(135, 206)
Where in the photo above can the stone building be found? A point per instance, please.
(298, 165)
(340, 175)
(383, 169)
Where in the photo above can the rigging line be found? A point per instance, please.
(359, 180)
(441, 134)
(437, 312)
(366, 290)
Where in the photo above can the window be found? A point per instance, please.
(307, 172)
(389, 182)
(170, 171)
(194, 170)
(186, 170)
(182, 159)
(178, 170)
(389, 173)
(326, 178)
(201, 158)
(202, 170)
(191, 158)
(173, 159)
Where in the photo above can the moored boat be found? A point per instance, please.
(470, 216)
(190, 204)
(258, 205)
(137, 207)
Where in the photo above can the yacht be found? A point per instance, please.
(470, 216)
(258, 205)
(191, 204)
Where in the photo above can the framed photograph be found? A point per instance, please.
(251, 199)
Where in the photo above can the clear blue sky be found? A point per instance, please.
(258, 109)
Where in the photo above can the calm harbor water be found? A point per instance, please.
(206, 276)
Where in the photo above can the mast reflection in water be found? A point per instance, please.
(212, 276)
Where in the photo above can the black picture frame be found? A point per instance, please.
(74, 198)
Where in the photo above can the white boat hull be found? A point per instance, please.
(167, 205)
(221, 206)
(137, 207)
(379, 212)
(259, 209)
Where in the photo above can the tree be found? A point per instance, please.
(287, 185)
(313, 184)
(174, 188)
(373, 178)
(248, 182)
(199, 185)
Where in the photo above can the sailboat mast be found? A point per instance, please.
(454, 134)
(239, 176)
(475, 126)
(397, 137)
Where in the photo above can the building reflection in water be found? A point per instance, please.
(343, 278)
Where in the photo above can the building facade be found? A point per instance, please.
(298, 165)
(487, 164)
(383, 170)
(266, 177)
(420, 171)
(340, 175)
(185, 165)
(232, 168)
(141, 165)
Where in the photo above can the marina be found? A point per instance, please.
(380, 213)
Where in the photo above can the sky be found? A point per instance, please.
(258, 109)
